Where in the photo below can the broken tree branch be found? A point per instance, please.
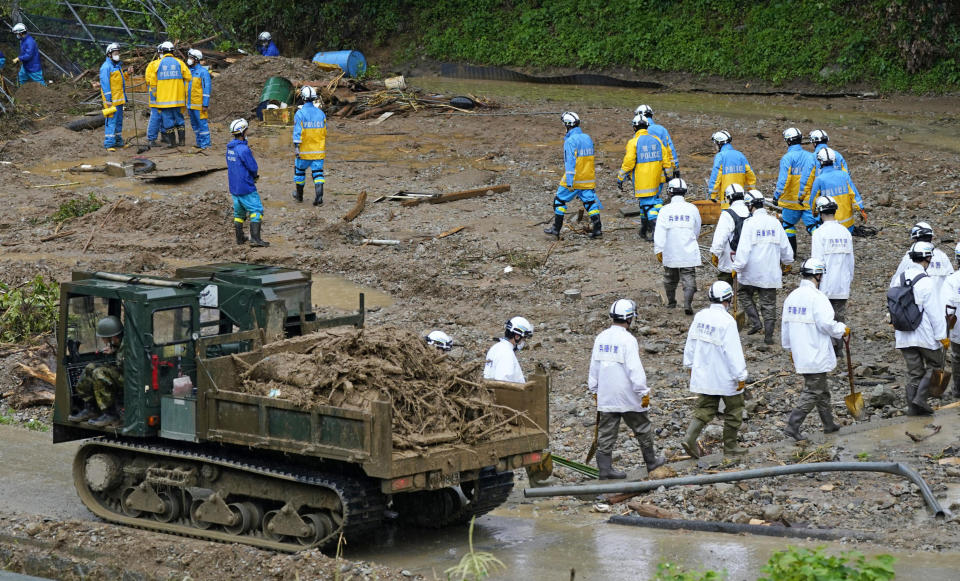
(100, 227)
(462, 195)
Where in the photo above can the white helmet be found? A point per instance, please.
(519, 327)
(956, 251)
(721, 138)
(640, 122)
(792, 135)
(308, 93)
(754, 199)
(819, 136)
(921, 230)
(677, 187)
(570, 119)
(195, 54)
(827, 205)
(623, 311)
(19, 28)
(440, 340)
(812, 267)
(645, 110)
(734, 192)
(238, 125)
(921, 250)
(112, 47)
(265, 36)
(720, 292)
(826, 156)
(165, 46)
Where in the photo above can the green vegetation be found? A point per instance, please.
(77, 207)
(892, 45)
(29, 310)
(8, 419)
(475, 565)
(671, 572)
(793, 564)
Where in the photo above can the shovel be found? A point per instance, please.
(738, 315)
(939, 378)
(854, 401)
(596, 438)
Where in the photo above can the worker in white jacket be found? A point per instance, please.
(833, 244)
(922, 347)
(950, 295)
(717, 370)
(940, 267)
(808, 326)
(675, 242)
(726, 237)
(619, 384)
(763, 257)
(502, 363)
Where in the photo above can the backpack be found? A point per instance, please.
(904, 312)
(738, 221)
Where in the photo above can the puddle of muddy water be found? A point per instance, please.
(548, 546)
(928, 123)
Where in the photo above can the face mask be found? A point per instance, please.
(115, 58)
(190, 62)
(521, 344)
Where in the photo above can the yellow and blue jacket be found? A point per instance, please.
(172, 79)
(199, 89)
(729, 167)
(112, 84)
(836, 184)
(798, 169)
(840, 164)
(310, 132)
(150, 76)
(579, 173)
(647, 158)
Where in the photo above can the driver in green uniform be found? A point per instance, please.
(101, 383)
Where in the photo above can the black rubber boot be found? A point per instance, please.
(88, 412)
(688, 300)
(755, 326)
(651, 459)
(793, 243)
(829, 426)
(318, 194)
(181, 136)
(671, 292)
(298, 193)
(597, 227)
(689, 442)
(651, 227)
(644, 224)
(238, 229)
(768, 327)
(605, 464)
(793, 425)
(557, 226)
(170, 137)
(255, 239)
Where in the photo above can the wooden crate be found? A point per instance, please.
(709, 211)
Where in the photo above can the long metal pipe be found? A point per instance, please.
(897, 468)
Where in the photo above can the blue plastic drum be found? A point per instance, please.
(351, 61)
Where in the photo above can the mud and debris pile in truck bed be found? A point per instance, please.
(435, 399)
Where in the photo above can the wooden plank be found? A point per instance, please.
(357, 208)
(628, 211)
(461, 195)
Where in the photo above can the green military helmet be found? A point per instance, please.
(109, 327)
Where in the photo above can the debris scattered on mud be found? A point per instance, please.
(434, 399)
(236, 92)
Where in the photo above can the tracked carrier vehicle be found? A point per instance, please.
(193, 456)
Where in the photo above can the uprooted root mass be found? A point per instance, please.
(434, 400)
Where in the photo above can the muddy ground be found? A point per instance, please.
(902, 155)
